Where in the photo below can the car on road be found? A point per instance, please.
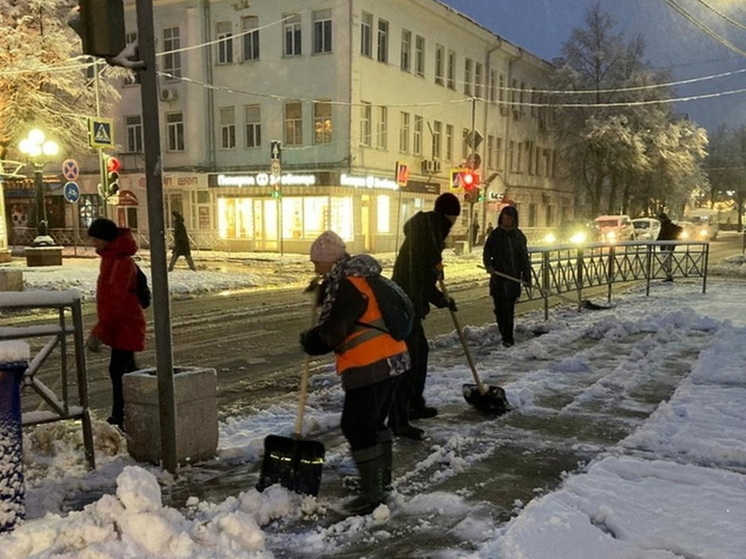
(616, 228)
(646, 228)
(574, 231)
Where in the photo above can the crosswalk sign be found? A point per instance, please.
(100, 132)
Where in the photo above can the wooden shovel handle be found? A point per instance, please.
(306, 367)
(482, 389)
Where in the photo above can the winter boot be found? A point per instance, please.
(371, 465)
(388, 464)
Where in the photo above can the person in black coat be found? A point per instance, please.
(181, 243)
(417, 270)
(669, 232)
(506, 251)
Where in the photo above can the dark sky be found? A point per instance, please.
(542, 26)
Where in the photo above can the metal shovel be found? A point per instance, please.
(293, 462)
(485, 398)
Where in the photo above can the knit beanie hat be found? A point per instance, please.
(104, 229)
(328, 247)
(447, 204)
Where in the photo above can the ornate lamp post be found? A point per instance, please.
(38, 150)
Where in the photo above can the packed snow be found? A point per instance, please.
(673, 487)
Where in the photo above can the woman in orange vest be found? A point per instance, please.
(367, 358)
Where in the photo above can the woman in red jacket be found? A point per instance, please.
(121, 321)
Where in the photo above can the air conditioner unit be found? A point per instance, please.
(427, 166)
(168, 94)
(436, 165)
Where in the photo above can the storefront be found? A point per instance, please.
(285, 213)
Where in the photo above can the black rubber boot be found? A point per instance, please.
(388, 464)
(371, 465)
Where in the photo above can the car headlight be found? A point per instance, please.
(550, 238)
(703, 233)
(578, 238)
(611, 236)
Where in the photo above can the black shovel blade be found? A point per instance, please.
(295, 464)
(591, 306)
(493, 401)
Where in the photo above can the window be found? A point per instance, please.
(253, 116)
(225, 42)
(490, 153)
(451, 70)
(404, 132)
(292, 32)
(366, 116)
(530, 156)
(322, 31)
(511, 158)
(467, 76)
(522, 98)
(133, 123)
(464, 144)
(417, 139)
(492, 87)
(171, 59)
(322, 122)
(440, 55)
(478, 80)
(227, 128)
(366, 35)
(175, 131)
(437, 138)
(449, 142)
(250, 26)
(382, 126)
(499, 154)
(293, 123)
(383, 41)
(532, 215)
(419, 56)
(519, 162)
(406, 50)
(132, 77)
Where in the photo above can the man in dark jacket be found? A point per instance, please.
(506, 252)
(669, 232)
(417, 270)
(181, 243)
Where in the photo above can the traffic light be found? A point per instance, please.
(113, 165)
(464, 178)
(100, 25)
(276, 192)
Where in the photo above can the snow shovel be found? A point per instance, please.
(585, 303)
(485, 398)
(293, 462)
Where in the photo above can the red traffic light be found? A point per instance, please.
(469, 180)
(113, 164)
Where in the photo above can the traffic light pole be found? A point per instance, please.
(102, 189)
(472, 158)
(157, 234)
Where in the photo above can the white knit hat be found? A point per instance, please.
(328, 247)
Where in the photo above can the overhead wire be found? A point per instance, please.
(726, 17)
(702, 27)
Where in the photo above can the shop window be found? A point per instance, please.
(383, 213)
(340, 217)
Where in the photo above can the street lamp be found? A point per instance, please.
(38, 150)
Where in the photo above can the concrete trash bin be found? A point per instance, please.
(13, 364)
(195, 392)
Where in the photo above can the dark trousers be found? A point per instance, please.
(410, 386)
(175, 256)
(364, 415)
(504, 314)
(121, 363)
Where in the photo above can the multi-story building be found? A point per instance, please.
(282, 119)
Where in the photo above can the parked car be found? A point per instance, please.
(646, 228)
(574, 231)
(616, 228)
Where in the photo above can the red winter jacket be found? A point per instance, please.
(121, 321)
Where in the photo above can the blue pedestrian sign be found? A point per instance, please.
(72, 192)
(100, 132)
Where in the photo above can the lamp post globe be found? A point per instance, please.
(38, 149)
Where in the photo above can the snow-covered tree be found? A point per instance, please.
(726, 168)
(622, 150)
(43, 83)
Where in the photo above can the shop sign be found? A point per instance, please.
(368, 181)
(262, 179)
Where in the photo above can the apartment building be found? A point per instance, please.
(282, 119)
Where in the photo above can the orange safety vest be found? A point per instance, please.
(366, 345)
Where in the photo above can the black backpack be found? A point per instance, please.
(142, 288)
(396, 307)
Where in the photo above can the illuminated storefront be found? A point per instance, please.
(261, 212)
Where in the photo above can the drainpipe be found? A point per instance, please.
(210, 99)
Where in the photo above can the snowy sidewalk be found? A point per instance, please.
(674, 488)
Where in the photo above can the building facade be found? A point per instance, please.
(282, 119)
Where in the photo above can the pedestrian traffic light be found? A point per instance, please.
(100, 25)
(113, 164)
(469, 180)
(112, 183)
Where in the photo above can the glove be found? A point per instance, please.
(93, 344)
(451, 304)
(490, 269)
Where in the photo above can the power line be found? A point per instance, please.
(722, 15)
(702, 27)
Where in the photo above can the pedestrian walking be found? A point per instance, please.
(669, 232)
(368, 360)
(121, 321)
(488, 231)
(181, 243)
(474, 231)
(417, 270)
(506, 251)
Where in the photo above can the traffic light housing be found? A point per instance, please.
(100, 25)
(464, 178)
(276, 192)
(113, 165)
